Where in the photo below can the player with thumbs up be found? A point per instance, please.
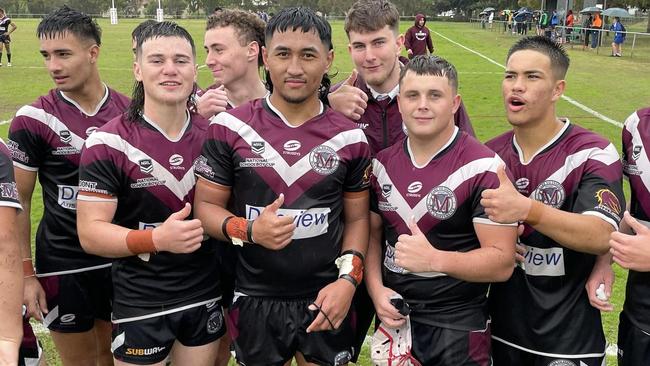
(567, 193)
(440, 250)
(136, 186)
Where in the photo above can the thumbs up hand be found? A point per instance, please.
(505, 205)
(271, 230)
(631, 251)
(414, 252)
(178, 235)
(348, 99)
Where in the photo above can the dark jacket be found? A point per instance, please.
(418, 39)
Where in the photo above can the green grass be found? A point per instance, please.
(614, 87)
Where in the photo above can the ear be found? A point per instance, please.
(558, 90)
(457, 101)
(399, 43)
(349, 48)
(265, 58)
(252, 51)
(137, 72)
(330, 59)
(196, 72)
(399, 103)
(94, 53)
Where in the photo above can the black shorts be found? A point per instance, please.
(449, 347)
(633, 343)
(227, 261)
(147, 341)
(5, 38)
(269, 331)
(505, 355)
(30, 350)
(76, 300)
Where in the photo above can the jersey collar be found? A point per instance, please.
(97, 107)
(267, 99)
(155, 126)
(444, 148)
(551, 142)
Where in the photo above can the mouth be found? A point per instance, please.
(372, 68)
(170, 84)
(516, 103)
(59, 79)
(294, 83)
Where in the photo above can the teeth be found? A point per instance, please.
(171, 83)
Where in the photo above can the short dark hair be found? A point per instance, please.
(370, 16)
(66, 19)
(248, 27)
(306, 20)
(156, 30)
(2, 11)
(137, 31)
(431, 65)
(556, 53)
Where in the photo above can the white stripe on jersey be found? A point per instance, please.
(289, 173)
(632, 126)
(180, 188)
(546, 354)
(52, 122)
(454, 180)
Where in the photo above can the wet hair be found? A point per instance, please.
(158, 30)
(306, 20)
(557, 54)
(370, 16)
(67, 20)
(248, 27)
(431, 65)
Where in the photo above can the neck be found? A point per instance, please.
(296, 113)
(250, 88)
(425, 147)
(532, 136)
(89, 95)
(169, 117)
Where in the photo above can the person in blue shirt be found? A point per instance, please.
(619, 36)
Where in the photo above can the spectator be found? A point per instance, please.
(586, 31)
(418, 38)
(596, 26)
(619, 36)
(569, 25)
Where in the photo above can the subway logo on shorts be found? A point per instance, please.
(143, 351)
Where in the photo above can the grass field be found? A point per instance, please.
(613, 87)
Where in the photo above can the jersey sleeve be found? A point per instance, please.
(8, 190)
(374, 187)
(600, 192)
(216, 161)
(27, 146)
(98, 173)
(358, 176)
(627, 145)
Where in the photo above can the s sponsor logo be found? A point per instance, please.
(65, 136)
(386, 190)
(522, 184)
(175, 160)
(9, 190)
(90, 130)
(146, 166)
(258, 147)
(550, 193)
(309, 223)
(324, 160)
(215, 322)
(608, 202)
(292, 145)
(414, 187)
(544, 261)
(68, 196)
(441, 203)
(144, 351)
(67, 318)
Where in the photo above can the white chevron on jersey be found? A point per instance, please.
(632, 125)
(289, 173)
(52, 122)
(180, 188)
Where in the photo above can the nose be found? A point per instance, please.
(295, 67)
(370, 56)
(422, 103)
(211, 59)
(169, 68)
(53, 64)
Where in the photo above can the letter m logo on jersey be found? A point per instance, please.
(550, 193)
(324, 160)
(441, 203)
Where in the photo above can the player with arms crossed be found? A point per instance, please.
(136, 182)
(286, 178)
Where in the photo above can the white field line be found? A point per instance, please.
(565, 97)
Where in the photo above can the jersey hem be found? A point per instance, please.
(548, 354)
(71, 271)
(161, 313)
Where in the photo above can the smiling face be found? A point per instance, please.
(226, 57)
(166, 68)
(530, 89)
(375, 56)
(69, 60)
(296, 62)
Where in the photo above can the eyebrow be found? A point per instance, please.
(286, 48)
(163, 56)
(58, 50)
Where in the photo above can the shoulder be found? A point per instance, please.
(119, 98)
(501, 141)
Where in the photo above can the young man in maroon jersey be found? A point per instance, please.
(71, 292)
(285, 177)
(568, 195)
(136, 183)
(441, 251)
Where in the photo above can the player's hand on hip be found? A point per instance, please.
(212, 102)
(34, 299)
(505, 205)
(414, 252)
(271, 230)
(333, 303)
(348, 99)
(386, 311)
(178, 235)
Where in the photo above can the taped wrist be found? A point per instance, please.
(238, 230)
(28, 268)
(350, 265)
(140, 241)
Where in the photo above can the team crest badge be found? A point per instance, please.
(562, 363)
(146, 166)
(215, 321)
(550, 193)
(366, 174)
(386, 189)
(66, 136)
(608, 201)
(324, 160)
(636, 151)
(441, 203)
(257, 147)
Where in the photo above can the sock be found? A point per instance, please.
(9, 57)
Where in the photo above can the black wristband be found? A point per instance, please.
(349, 278)
(249, 231)
(353, 252)
(223, 227)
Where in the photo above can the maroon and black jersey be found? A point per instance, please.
(636, 166)
(149, 176)
(4, 25)
(444, 198)
(544, 307)
(257, 153)
(47, 137)
(8, 191)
